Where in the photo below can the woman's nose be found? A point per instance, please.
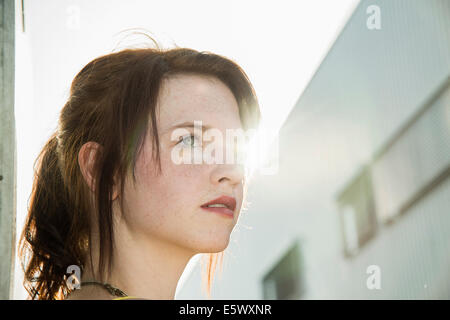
(228, 173)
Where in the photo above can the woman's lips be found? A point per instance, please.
(223, 205)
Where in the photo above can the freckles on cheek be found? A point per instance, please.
(183, 175)
(188, 172)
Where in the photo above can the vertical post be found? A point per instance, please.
(7, 150)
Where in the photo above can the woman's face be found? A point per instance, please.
(167, 205)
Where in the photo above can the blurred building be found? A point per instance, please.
(360, 207)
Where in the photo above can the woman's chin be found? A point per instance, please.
(213, 246)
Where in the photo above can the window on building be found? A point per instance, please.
(415, 160)
(284, 281)
(357, 213)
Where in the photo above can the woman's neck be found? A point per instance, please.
(142, 267)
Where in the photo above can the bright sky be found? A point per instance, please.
(279, 44)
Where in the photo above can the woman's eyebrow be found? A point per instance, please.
(187, 124)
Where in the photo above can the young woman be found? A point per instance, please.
(108, 196)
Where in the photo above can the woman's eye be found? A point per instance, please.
(190, 141)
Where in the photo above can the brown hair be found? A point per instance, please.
(111, 101)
